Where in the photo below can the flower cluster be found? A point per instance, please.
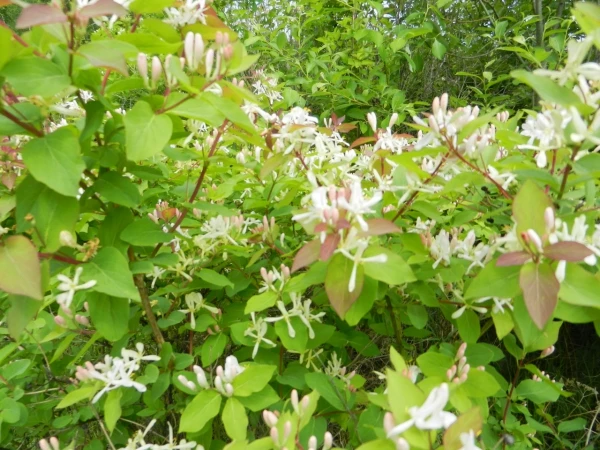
(116, 372)
(221, 381)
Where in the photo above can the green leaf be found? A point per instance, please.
(569, 426)
(149, 6)
(438, 49)
(235, 419)
(118, 189)
(527, 331)
(144, 232)
(528, 208)
(56, 161)
(85, 392)
(395, 271)
(364, 302)
(52, 212)
(331, 389)
(261, 399)
(110, 315)
(115, 221)
(547, 89)
(339, 270)
(21, 312)
(434, 364)
(213, 348)
(503, 323)
(471, 421)
(20, 271)
(31, 75)
(146, 133)
(10, 411)
(379, 444)
(199, 411)
(111, 271)
(253, 379)
(540, 291)
(468, 326)
(496, 281)
(212, 277)
(110, 54)
(261, 302)
(580, 287)
(537, 391)
(480, 384)
(112, 409)
(150, 43)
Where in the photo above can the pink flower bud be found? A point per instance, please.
(209, 61)
(274, 435)
(305, 402)
(465, 369)
(287, 430)
(388, 422)
(219, 38)
(451, 372)
(44, 445)
(269, 418)
(547, 351)
(82, 320)
(461, 350)
(435, 106)
(66, 310)
(54, 443)
(228, 52)
(312, 443)
(444, 102)
(60, 321)
(402, 444)
(142, 66)
(156, 71)
(535, 239)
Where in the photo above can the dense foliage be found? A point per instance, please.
(295, 246)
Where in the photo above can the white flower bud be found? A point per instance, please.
(402, 444)
(188, 46)
(294, 400)
(388, 422)
(312, 443)
(287, 430)
(547, 351)
(44, 445)
(372, 119)
(461, 350)
(228, 389)
(198, 48)
(201, 377)
(393, 120)
(269, 418)
(549, 219)
(67, 239)
(54, 443)
(327, 441)
(209, 61)
(274, 435)
(535, 238)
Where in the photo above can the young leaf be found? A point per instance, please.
(20, 271)
(253, 379)
(394, 271)
(30, 75)
(199, 411)
(540, 291)
(513, 259)
(112, 409)
(567, 251)
(528, 208)
(40, 15)
(111, 271)
(339, 271)
(308, 254)
(235, 419)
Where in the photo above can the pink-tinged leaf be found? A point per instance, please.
(342, 224)
(40, 15)
(363, 140)
(102, 8)
(307, 255)
(567, 251)
(381, 226)
(329, 246)
(345, 128)
(320, 227)
(337, 280)
(20, 271)
(513, 259)
(540, 292)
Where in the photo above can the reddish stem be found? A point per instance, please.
(18, 38)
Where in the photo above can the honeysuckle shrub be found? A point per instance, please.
(187, 264)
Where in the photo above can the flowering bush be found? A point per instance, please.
(185, 264)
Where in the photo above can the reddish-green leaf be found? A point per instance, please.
(540, 291)
(20, 271)
(329, 246)
(381, 226)
(307, 255)
(567, 251)
(40, 15)
(102, 8)
(513, 259)
(339, 272)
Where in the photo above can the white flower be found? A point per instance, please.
(68, 287)
(359, 246)
(195, 302)
(468, 441)
(576, 52)
(258, 331)
(286, 316)
(298, 116)
(429, 416)
(116, 372)
(357, 205)
(190, 12)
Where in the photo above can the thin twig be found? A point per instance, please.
(33, 130)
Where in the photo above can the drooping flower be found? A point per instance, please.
(68, 288)
(429, 416)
